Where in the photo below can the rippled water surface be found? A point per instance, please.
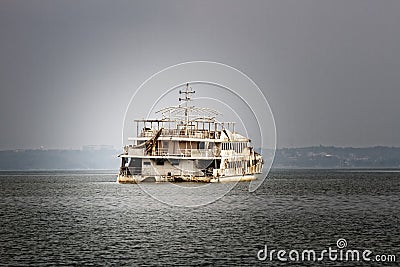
(77, 218)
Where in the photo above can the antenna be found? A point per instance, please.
(187, 98)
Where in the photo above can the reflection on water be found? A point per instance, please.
(49, 218)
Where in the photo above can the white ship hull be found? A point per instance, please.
(188, 144)
(134, 179)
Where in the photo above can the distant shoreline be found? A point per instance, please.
(273, 169)
(316, 157)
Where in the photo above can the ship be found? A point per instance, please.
(188, 144)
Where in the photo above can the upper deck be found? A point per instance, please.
(175, 130)
(183, 122)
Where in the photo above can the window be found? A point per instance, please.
(201, 145)
(160, 162)
(174, 161)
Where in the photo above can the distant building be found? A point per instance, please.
(97, 147)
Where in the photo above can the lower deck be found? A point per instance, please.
(191, 170)
(134, 179)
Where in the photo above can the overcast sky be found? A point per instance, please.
(329, 69)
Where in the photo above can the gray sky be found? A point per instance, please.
(329, 69)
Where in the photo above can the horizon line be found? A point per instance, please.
(111, 147)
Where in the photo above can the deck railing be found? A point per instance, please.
(186, 152)
(199, 153)
(183, 133)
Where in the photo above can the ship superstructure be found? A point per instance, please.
(189, 144)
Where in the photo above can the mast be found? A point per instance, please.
(187, 98)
